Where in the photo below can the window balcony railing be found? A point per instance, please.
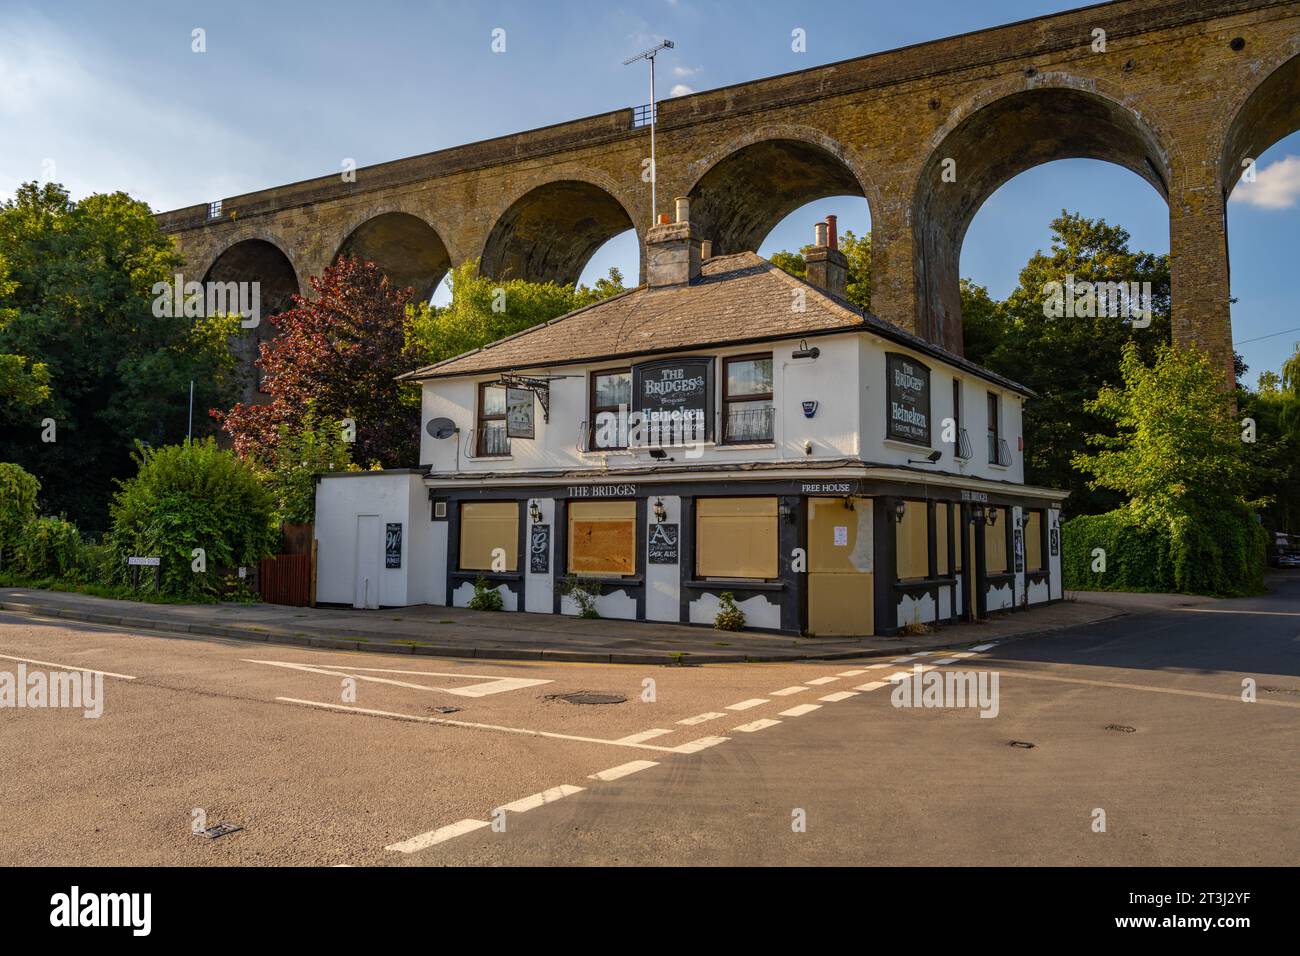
(962, 449)
(999, 451)
(749, 425)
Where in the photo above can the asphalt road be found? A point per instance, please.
(331, 757)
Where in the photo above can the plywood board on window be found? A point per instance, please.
(736, 537)
(484, 527)
(912, 542)
(1033, 541)
(995, 544)
(602, 537)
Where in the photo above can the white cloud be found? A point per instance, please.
(680, 89)
(685, 71)
(1276, 186)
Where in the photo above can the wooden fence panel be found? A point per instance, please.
(286, 579)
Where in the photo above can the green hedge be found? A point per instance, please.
(49, 547)
(1221, 554)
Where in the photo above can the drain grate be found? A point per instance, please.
(1121, 728)
(220, 830)
(589, 697)
(1023, 744)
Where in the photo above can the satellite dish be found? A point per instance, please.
(441, 427)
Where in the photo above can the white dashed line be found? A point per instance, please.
(700, 718)
(757, 725)
(850, 673)
(823, 680)
(536, 800)
(903, 660)
(426, 840)
(874, 685)
(703, 743)
(787, 691)
(983, 647)
(68, 667)
(876, 667)
(623, 769)
(964, 654)
(746, 704)
(801, 710)
(945, 660)
(643, 736)
(838, 696)
(899, 675)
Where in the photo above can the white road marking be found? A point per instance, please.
(643, 736)
(838, 696)
(532, 802)
(983, 647)
(426, 840)
(874, 685)
(850, 673)
(945, 660)
(823, 680)
(746, 704)
(903, 660)
(876, 667)
(420, 718)
(787, 691)
(67, 667)
(1121, 685)
(695, 746)
(801, 710)
(701, 718)
(623, 769)
(757, 725)
(1216, 610)
(489, 685)
(964, 654)
(899, 675)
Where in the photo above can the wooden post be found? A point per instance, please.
(312, 595)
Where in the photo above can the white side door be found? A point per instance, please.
(369, 545)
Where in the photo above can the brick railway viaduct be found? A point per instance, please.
(1185, 92)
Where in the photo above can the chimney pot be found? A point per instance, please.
(683, 209)
(819, 234)
(663, 219)
(833, 239)
(706, 249)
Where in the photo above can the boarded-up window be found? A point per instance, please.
(1033, 541)
(995, 544)
(602, 537)
(941, 531)
(486, 526)
(912, 552)
(735, 537)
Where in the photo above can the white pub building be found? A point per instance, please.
(724, 427)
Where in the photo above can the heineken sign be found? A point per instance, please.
(675, 396)
(909, 400)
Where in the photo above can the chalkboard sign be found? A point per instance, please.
(663, 543)
(909, 400)
(1020, 550)
(675, 397)
(393, 546)
(519, 413)
(1054, 542)
(539, 549)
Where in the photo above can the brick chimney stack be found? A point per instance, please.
(673, 252)
(828, 268)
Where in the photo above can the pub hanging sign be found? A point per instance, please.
(909, 399)
(675, 398)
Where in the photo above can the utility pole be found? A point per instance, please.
(654, 169)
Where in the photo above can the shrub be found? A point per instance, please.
(189, 496)
(1220, 553)
(48, 547)
(730, 617)
(583, 593)
(18, 490)
(485, 598)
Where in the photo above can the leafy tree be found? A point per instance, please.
(483, 310)
(77, 312)
(337, 353)
(312, 446)
(1275, 409)
(1065, 360)
(18, 491)
(856, 250)
(187, 496)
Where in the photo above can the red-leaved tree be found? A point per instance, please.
(339, 351)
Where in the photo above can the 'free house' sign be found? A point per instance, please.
(909, 400)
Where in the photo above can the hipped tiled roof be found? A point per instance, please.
(736, 299)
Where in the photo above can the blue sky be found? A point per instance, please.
(110, 96)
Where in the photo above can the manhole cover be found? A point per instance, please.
(589, 697)
(1121, 728)
(220, 830)
(1024, 744)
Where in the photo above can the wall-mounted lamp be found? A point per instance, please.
(661, 514)
(534, 511)
(900, 509)
(803, 351)
(783, 510)
(991, 516)
(976, 513)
